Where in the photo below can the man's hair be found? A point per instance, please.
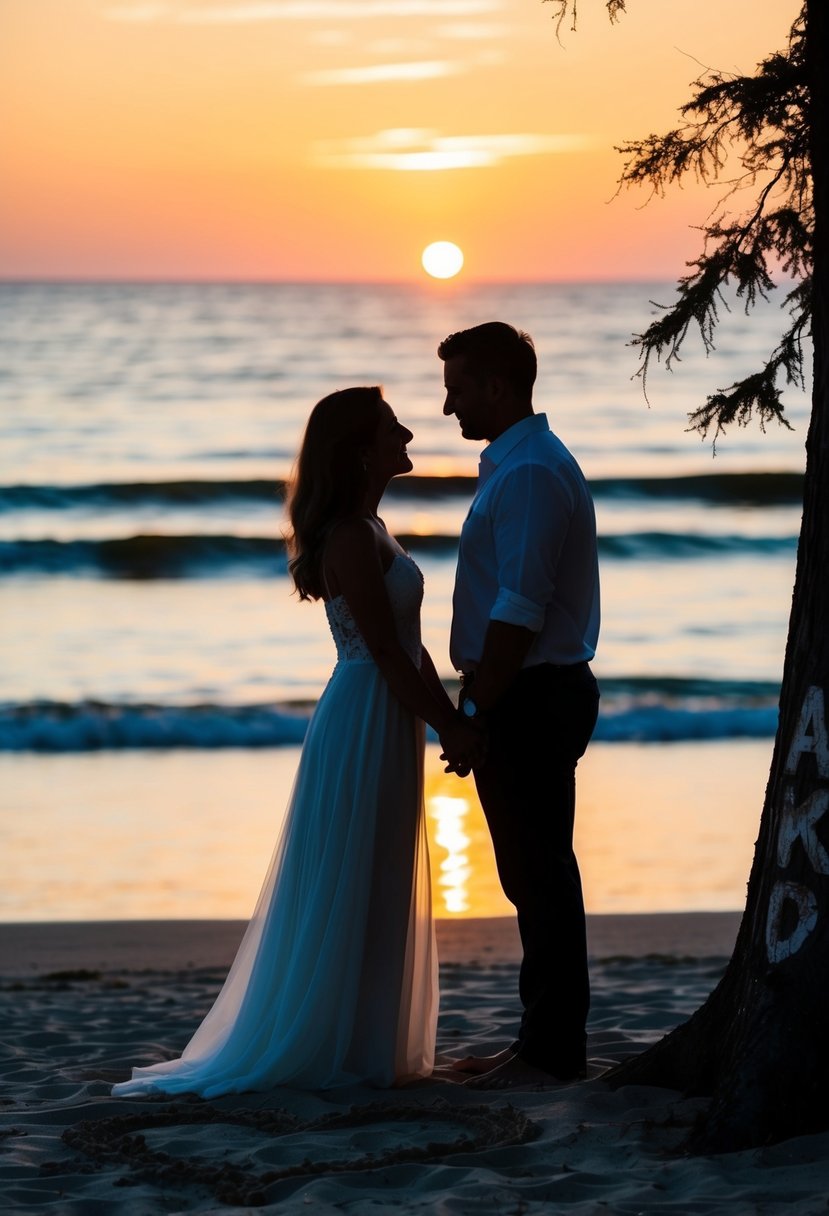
(495, 349)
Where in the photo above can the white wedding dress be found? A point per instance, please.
(335, 981)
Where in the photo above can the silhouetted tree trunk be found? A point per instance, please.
(760, 1043)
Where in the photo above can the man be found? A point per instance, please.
(525, 626)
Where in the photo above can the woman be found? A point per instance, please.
(335, 981)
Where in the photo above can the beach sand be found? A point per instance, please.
(81, 1003)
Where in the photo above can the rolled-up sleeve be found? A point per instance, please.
(516, 610)
(530, 518)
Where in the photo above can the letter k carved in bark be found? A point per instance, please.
(800, 822)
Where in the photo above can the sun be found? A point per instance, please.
(442, 259)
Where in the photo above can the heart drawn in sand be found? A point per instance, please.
(121, 1140)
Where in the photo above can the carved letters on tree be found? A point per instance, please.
(793, 906)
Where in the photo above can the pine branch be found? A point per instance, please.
(757, 394)
(615, 8)
(762, 121)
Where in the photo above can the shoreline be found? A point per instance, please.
(39, 948)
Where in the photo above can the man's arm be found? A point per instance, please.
(505, 648)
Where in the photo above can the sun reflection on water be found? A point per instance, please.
(449, 814)
(464, 876)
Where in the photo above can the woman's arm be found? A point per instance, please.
(433, 681)
(355, 568)
(454, 764)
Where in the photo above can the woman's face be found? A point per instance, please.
(387, 456)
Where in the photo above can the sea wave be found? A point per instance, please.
(58, 726)
(737, 489)
(681, 545)
(750, 488)
(118, 494)
(632, 711)
(145, 556)
(157, 556)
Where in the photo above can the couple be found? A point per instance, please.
(336, 978)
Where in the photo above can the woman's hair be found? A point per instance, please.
(329, 479)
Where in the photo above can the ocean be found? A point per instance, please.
(148, 619)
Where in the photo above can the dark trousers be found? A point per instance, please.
(538, 731)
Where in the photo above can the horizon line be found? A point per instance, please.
(445, 285)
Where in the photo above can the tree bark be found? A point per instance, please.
(759, 1045)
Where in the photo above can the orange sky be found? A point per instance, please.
(334, 139)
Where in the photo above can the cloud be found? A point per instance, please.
(375, 73)
(409, 149)
(329, 37)
(139, 13)
(296, 10)
(472, 31)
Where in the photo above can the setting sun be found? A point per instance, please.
(442, 259)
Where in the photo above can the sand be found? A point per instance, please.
(80, 1004)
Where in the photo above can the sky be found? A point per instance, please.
(332, 140)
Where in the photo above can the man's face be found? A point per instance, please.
(469, 398)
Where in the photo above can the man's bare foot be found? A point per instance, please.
(445, 1072)
(478, 1065)
(515, 1073)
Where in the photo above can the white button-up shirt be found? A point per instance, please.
(527, 552)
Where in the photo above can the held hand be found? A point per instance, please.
(464, 746)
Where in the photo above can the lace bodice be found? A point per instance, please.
(404, 584)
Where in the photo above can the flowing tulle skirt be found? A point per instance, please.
(335, 981)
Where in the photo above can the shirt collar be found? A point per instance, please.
(499, 449)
